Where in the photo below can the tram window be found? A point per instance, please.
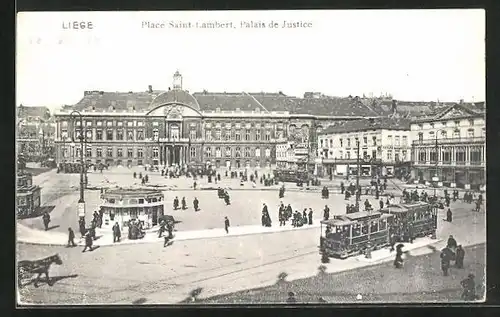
(383, 224)
(141, 201)
(364, 229)
(111, 216)
(356, 230)
(345, 229)
(374, 226)
(338, 229)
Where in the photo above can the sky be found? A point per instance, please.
(423, 55)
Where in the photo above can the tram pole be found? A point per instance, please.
(357, 176)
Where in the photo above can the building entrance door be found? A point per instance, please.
(154, 215)
(174, 155)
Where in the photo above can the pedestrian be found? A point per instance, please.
(82, 226)
(71, 238)
(176, 203)
(183, 202)
(46, 220)
(88, 242)
(196, 204)
(310, 215)
(449, 215)
(226, 224)
(304, 216)
(459, 257)
(452, 243)
(398, 261)
(446, 255)
(381, 203)
(291, 298)
(116, 232)
(469, 288)
(326, 213)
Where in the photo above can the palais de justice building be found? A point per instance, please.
(234, 130)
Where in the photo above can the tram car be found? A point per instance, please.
(347, 235)
(417, 218)
(290, 175)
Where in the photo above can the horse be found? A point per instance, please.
(39, 267)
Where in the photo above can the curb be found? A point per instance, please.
(175, 239)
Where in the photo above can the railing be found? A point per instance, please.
(449, 141)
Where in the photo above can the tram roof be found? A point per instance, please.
(347, 219)
(131, 192)
(400, 208)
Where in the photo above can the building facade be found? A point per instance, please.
(384, 144)
(451, 146)
(224, 130)
(35, 133)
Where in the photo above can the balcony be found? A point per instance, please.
(449, 141)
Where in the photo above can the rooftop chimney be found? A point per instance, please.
(150, 88)
(461, 101)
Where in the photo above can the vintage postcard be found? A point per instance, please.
(250, 157)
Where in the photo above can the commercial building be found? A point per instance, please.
(227, 130)
(450, 145)
(384, 145)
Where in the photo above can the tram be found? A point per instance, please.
(347, 235)
(290, 175)
(352, 234)
(418, 219)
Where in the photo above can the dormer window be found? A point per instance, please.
(217, 109)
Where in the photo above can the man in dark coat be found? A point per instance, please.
(281, 193)
(281, 216)
(449, 215)
(88, 242)
(381, 203)
(446, 255)
(368, 206)
(469, 286)
(398, 261)
(289, 211)
(326, 213)
(342, 188)
(117, 234)
(452, 243)
(46, 220)
(183, 202)
(226, 199)
(264, 209)
(459, 257)
(196, 204)
(81, 223)
(310, 216)
(226, 224)
(176, 203)
(71, 238)
(304, 216)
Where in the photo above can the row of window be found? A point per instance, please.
(236, 135)
(398, 156)
(110, 123)
(444, 134)
(444, 124)
(99, 152)
(475, 155)
(397, 141)
(136, 123)
(228, 152)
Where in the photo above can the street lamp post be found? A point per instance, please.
(81, 136)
